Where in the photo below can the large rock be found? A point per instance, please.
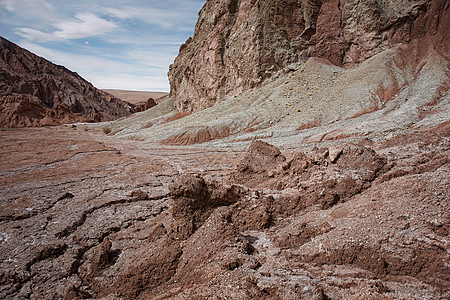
(143, 106)
(36, 92)
(239, 44)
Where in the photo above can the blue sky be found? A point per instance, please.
(122, 44)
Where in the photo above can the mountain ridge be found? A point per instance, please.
(36, 92)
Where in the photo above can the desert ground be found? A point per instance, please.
(135, 97)
(322, 184)
(87, 215)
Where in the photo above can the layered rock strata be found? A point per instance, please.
(237, 45)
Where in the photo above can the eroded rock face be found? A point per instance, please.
(239, 44)
(35, 92)
(195, 199)
(144, 105)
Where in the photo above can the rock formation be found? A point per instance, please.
(237, 45)
(92, 218)
(35, 92)
(144, 105)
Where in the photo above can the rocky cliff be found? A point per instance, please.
(36, 92)
(238, 44)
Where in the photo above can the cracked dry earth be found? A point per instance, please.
(87, 216)
(63, 194)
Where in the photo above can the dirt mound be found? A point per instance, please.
(194, 201)
(259, 163)
(195, 135)
(156, 268)
(322, 176)
(164, 256)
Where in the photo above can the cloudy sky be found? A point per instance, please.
(122, 44)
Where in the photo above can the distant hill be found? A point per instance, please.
(36, 92)
(135, 97)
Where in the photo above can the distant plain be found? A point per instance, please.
(135, 97)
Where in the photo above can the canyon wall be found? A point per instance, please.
(36, 92)
(238, 44)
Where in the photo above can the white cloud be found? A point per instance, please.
(8, 4)
(152, 59)
(85, 25)
(108, 73)
(33, 34)
(27, 9)
(150, 40)
(163, 18)
(19, 5)
(118, 13)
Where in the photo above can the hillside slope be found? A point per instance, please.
(238, 45)
(36, 92)
(312, 102)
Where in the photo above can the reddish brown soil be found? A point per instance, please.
(193, 136)
(87, 216)
(175, 117)
(142, 106)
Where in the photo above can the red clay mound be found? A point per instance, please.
(259, 163)
(323, 176)
(197, 136)
(194, 200)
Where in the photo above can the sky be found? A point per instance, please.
(114, 44)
